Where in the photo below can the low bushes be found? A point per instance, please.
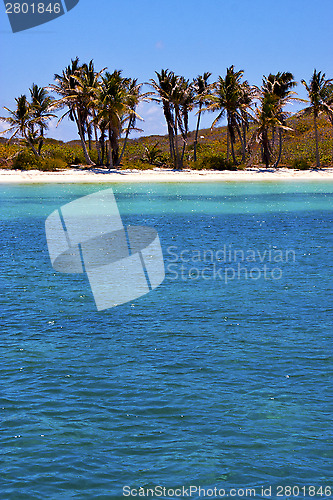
(26, 160)
(214, 162)
(300, 164)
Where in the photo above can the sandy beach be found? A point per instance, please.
(162, 175)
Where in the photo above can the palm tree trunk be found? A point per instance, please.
(253, 154)
(228, 144)
(280, 149)
(34, 149)
(98, 146)
(182, 155)
(265, 144)
(317, 141)
(106, 153)
(125, 142)
(240, 135)
(110, 149)
(176, 159)
(89, 134)
(29, 141)
(232, 139)
(233, 152)
(196, 134)
(83, 142)
(171, 142)
(102, 144)
(169, 121)
(243, 142)
(40, 142)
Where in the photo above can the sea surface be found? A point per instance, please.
(219, 378)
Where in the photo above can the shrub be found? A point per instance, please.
(52, 164)
(216, 162)
(71, 156)
(26, 160)
(196, 165)
(300, 164)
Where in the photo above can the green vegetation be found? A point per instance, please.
(103, 106)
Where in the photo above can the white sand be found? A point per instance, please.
(162, 175)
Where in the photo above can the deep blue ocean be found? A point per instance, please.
(220, 378)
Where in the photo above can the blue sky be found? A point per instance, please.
(188, 37)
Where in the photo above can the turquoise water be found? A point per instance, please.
(218, 378)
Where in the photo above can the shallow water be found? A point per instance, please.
(218, 378)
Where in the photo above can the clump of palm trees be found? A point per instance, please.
(100, 103)
(104, 105)
(270, 115)
(176, 94)
(232, 98)
(29, 120)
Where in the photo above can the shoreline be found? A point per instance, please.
(98, 175)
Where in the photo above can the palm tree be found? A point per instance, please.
(40, 108)
(280, 85)
(133, 98)
(163, 90)
(21, 122)
(72, 95)
(118, 99)
(317, 91)
(229, 100)
(269, 116)
(176, 95)
(182, 100)
(89, 84)
(246, 100)
(202, 90)
(273, 96)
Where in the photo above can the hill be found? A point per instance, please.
(147, 152)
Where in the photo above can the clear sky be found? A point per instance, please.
(186, 36)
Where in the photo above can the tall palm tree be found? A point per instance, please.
(202, 90)
(182, 100)
(164, 88)
(72, 95)
(40, 108)
(118, 98)
(246, 100)
(280, 85)
(89, 84)
(21, 122)
(269, 116)
(133, 98)
(317, 93)
(228, 99)
(176, 94)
